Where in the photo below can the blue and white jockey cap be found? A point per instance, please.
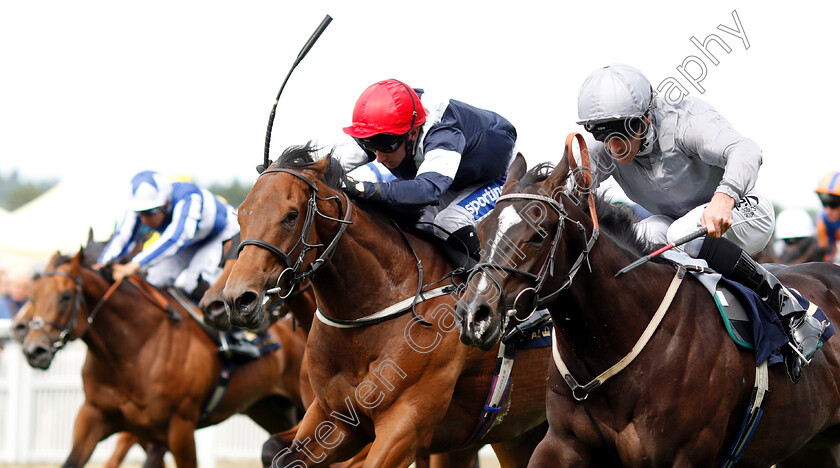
(149, 190)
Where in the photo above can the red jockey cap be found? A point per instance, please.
(389, 106)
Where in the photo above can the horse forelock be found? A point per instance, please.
(303, 157)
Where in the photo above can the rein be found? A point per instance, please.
(583, 178)
(65, 333)
(309, 221)
(547, 268)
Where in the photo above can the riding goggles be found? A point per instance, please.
(623, 128)
(829, 200)
(151, 212)
(384, 142)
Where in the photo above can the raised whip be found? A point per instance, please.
(314, 37)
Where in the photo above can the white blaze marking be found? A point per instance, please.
(508, 218)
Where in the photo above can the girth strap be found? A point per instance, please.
(580, 392)
(751, 419)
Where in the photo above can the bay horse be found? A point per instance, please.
(682, 400)
(301, 305)
(145, 372)
(405, 387)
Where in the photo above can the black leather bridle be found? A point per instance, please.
(547, 268)
(303, 243)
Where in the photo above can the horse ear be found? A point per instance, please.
(561, 171)
(78, 260)
(515, 173)
(320, 166)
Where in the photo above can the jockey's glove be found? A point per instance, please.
(353, 187)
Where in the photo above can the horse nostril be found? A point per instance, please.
(247, 302)
(482, 313)
(216, 316)
(19, 331)
(37, 353)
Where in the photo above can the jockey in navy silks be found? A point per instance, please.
(447, 156)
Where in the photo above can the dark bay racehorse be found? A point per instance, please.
(145, 372)
(682, 400)
(407, 387)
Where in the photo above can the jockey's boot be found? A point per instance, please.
(236, 343)
(462, 248)
(803, 330)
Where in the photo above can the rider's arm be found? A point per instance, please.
(350, 154)
(178, 234)
(443, 147)
(707, 134)
(124, 238)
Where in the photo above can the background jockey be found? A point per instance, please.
(828, 223)
(687, 165)
(193, 224)
(797, 240)
(447, 156)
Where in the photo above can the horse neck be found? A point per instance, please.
(302, 307)
(123, 324)
(601, 317)
(371, 268)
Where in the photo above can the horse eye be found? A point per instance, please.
(538, 236)
(291, 218)
(65, 296)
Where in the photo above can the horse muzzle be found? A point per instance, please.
(246, 309)
(38, 355)
(215, 312)
(478, 325)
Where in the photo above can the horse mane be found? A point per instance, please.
(615, 219)
(301, 157)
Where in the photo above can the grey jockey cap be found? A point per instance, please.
(614, 92)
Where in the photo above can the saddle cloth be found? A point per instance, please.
(748, 320)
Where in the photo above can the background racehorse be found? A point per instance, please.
(145, 372)
(371, 384)
(682, 400)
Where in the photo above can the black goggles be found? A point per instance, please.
(624, 128)
(151, 212)
(384, 142)
(829, 200)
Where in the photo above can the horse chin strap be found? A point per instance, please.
(308, 223)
